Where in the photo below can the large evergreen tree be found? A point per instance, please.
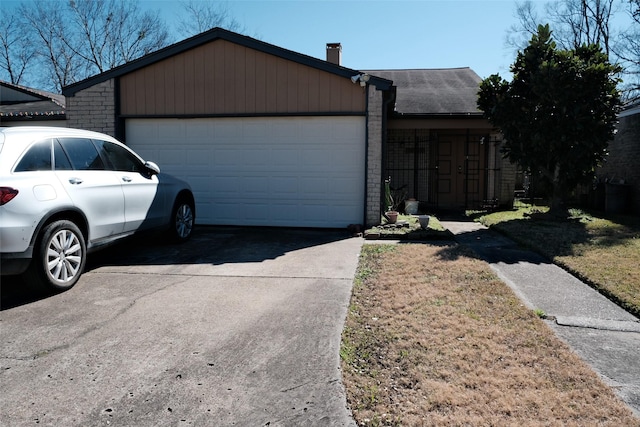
(558, 113)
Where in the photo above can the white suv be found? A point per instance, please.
(64, 192)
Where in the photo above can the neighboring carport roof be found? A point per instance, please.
(212, 35)
(630, 109)
(451, 91)
(23, 103)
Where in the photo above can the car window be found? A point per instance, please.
(60, 160)
(37, 158)
(82, 153)
(120, 158)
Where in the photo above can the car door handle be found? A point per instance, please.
(75, 181)
(126, 179)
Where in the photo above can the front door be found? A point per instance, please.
(461, 166)
(451, 169)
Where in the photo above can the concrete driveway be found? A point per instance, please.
(237, 327)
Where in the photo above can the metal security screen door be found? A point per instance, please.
(410, 162)
(442, 169)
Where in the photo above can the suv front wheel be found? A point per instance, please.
(182, 218)
(59, 257)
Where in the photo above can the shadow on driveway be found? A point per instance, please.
(209, 245)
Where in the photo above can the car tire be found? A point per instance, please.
(58, 258)
(182, 220)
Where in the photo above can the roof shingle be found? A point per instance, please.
(450, 91)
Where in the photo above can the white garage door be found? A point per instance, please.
(302, 172)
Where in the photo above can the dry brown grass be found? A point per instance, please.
(434, 338)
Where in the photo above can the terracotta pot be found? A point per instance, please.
(392, 217)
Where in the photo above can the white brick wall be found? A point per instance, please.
(93, 108)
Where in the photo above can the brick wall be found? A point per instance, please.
(623, 162)
(93, 108)
(374, 156)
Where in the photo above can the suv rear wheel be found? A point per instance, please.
(59, 257)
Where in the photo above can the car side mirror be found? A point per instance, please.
(152, 168)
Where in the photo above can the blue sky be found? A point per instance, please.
(383, 34)
(377, 34)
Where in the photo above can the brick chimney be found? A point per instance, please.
(334, 53)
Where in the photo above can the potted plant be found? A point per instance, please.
(390, 214)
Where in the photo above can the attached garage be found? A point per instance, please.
(264, 171)
(265, 136)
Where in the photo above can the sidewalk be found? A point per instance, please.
(599, 331)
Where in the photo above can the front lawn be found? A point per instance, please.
(433, 337)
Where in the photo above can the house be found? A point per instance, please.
(21, 106)
(621, 172)
(270, 137)
(439, 149)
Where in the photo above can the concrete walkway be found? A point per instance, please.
(599, 331)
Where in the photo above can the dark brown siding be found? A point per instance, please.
(224, 78)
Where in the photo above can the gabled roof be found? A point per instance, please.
(450, 91)
(20, 102)
(210, 36)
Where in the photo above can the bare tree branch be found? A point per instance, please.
(627, 48)
(67, 41)
(578, 22)
(518, 35)
(60, 64)
(112, 32)
(16, 51)
(202, 16)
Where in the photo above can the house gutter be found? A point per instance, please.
(418, 116)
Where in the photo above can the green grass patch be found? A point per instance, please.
(408, 227)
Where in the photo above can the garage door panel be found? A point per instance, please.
(284, 159)
(226, 129)
(303, 171)
(348, 157)
(314, 212)
(344, 192)
(284, 186)
(317, 160)
(199, 131)
(227, 158)
(172, 131)
(255, 130)
(198, 159)
(314, 187)
(228, 186)
(256, 157)
(254, 186)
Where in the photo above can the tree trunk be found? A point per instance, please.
(558, 205)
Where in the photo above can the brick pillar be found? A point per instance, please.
(374, 155)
